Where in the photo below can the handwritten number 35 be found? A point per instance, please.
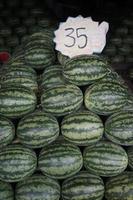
(74, 39)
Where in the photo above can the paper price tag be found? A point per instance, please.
(80, 35)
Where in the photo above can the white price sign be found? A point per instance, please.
(81, 35)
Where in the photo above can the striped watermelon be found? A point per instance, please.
(119, 128)
(12, 41)
(37, 129)
(19, 75)
(39, 50)
(83, 186)
(16, 101)
(61, 100)
(105, 159)
(112, 77)
(16, 163)
(105, 97)
(39, 56)
(83, 70)
(7, 131)
(20, 30)
(62, 58)
(37, 187)
(52, 76)
(60, 160)
(82, 128)
(6, 191)
(130, 157)
(120, 187)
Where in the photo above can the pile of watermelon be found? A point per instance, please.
(120, 43)
(66, 125)
(19, 19)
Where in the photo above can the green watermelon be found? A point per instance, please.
(20, 75)
(119, 128)
(52, 76)
(37, 129)
(82, 128)
(130, 157)
(62, 59)
(39, 56)
(6, 191)
(83, 186)
(60, 160)
(105, 159)
(16, 163)
(120, 187)
(7, 131)
(83, 70)
(37, 187)
(61, 100)
(106, 97)
(16, 101)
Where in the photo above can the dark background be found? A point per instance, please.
(64, 8)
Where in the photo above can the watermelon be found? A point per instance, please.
(120, 187)
(5, 31)
(52, 76)
(61, 100)
(117, 41)
(39, 56)
(119, 128)
(82, 128)
(20, 30)
(16, 101)
(62, 58)
(122, 31)
(118, 59)
(83, 70)
(13, 21)
(106, 97)
(37, 129)
(130, 157)
(30, 21)
(7, 131)
(60, 160)
(20, 75)
(6, 191)
(113, 77)
(17, 162)
(83, 186)
(37, 187)
(110, 50)
(44, 22)
(105, 159)
(12, 41)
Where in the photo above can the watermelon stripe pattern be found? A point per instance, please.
(130, 157)
(37, 187)
(119, 128)
(16, 163)
(61, 100)
(19, 75)
(52, 76)
(16, 101)
(60, 160)
(83, 186)
(105, 98)
(7, 131)
(120, 187)
(105, 159)
(6, 191)
(37, 130)
(82, 128)
(83, 70)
